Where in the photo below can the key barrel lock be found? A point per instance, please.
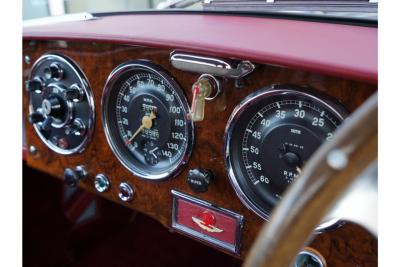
(207, 87)
(61, 107)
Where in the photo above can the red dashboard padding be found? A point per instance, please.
(334, 49)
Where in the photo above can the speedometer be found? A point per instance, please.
(269, 138)
(144, 119)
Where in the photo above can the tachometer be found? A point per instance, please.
(144, 119)
(269, 138)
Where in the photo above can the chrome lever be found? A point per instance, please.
(210, 65)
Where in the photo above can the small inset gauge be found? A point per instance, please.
(144, 117)
(269, 138)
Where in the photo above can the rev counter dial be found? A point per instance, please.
(144, 116)
(269, 138)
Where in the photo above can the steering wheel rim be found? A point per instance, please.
(331, 170)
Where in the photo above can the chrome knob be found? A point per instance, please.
(126, 192)
(52, 106)
(101, 183)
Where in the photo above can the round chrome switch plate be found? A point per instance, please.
(126, 192)
(61, 104)
(101, 183)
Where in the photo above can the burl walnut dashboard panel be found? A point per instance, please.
(347, 246)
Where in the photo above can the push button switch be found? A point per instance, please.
(126, 192)
(199, 179)
(101, 183)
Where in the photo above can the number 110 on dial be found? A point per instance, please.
(144, 116)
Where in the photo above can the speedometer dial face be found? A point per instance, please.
(269, 138)
(144, 116)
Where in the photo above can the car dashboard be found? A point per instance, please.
(200, 122)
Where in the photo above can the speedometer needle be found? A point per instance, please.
(147, 123)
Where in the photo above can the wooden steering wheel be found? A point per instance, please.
(332, 170)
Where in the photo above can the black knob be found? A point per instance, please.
(77, 127)
(52, 106)
(33, 86)
(199, 179)
(292, 159)
(53, 72)
(74, 93)
(72, 177)
(36, 117)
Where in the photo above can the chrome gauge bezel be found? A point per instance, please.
(89, 97)
(253, 98)
(156, 70)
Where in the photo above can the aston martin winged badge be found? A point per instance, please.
(208, 227)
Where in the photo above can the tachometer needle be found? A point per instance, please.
(147, 123)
